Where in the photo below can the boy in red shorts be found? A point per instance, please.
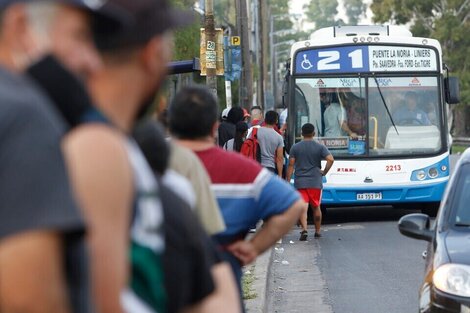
(305, 157)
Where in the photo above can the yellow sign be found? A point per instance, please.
(212, 53)
(235, 40)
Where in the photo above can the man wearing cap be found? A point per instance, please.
(114, 184)
(42, 256)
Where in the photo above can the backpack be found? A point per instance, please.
(250, 147)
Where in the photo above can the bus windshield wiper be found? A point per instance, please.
(462, 224)
(385, 104)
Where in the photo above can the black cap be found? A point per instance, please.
(106, 18)
(147, 19)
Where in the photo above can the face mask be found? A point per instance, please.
(67, 93)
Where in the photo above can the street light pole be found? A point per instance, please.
(271, 47)
(211, 76)
(273, 69)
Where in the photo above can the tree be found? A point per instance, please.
(323, 13)
(355, 10)
(447, 21)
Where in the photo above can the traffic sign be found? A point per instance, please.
(212, 53)
(235, 40)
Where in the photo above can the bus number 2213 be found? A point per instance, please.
(393, 168)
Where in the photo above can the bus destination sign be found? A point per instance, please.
(356, 59)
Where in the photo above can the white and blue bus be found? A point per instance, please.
(356, 85)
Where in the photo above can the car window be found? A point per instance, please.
(462, 203)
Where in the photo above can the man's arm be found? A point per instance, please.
(273, 229)
(329, 163)
(345, 127)
(32, 274)
(290, 169)
(279, 160)
(103, 184)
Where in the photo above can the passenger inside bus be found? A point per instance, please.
(356, 113)
(335, 118)
(410, 114)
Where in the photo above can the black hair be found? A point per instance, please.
(308, 129)
(271, 117)
(150, 137)
(192, 113)
(256, 107)
(235, 115)
(241, 129)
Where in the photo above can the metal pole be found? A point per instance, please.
(271, 48)
(246, 57)
(211, 77)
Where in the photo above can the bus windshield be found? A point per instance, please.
(371, 116)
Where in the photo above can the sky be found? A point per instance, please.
(296, 6)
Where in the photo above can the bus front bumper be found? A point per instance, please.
(383, 195)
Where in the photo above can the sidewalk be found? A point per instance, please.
(288, 279)
(260, 272)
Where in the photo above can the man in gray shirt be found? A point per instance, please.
(271, 144)
(305, 157)
(42, 251)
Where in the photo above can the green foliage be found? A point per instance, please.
(247, 285)
(447, 21)
(355, 9)
(186, 40)
(323, 13)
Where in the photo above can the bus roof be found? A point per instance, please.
(360, 30)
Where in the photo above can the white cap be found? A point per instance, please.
(225, 113)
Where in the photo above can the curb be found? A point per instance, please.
(261, 269)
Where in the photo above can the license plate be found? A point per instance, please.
(369, 196)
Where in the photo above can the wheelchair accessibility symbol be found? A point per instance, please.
(306, 64)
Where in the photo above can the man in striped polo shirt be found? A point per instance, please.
(245, 191)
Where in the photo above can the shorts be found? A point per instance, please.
(311, 196)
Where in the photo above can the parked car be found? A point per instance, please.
(446, 285)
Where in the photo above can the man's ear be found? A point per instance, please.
(149, 52)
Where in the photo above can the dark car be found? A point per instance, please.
(446, 286)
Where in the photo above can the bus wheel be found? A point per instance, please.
(430, 208)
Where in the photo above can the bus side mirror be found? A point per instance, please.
(452, 90)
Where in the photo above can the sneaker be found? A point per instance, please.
(317, 235)
(303, 235)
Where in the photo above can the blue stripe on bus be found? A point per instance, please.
(421, 193)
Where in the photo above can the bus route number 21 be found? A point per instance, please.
(331, 60)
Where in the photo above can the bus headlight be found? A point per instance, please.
(433, 172)
(453, 279)
(421, 175)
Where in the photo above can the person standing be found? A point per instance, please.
(305, 157)
(334, 117)
(245, 191)
(235, 144)
(228, 127)
(43, 264)
(114, 184)
(271, 144)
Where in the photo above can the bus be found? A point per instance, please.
(379, 100)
